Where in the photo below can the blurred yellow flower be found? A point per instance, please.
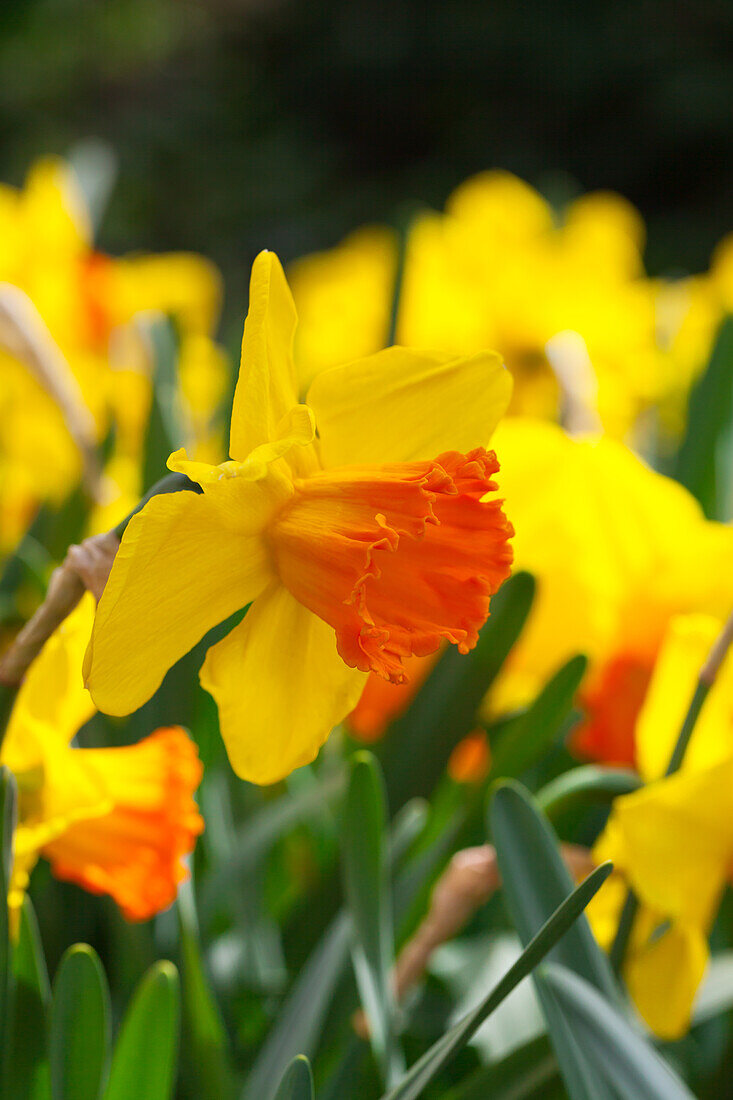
(116, 821)
(567, 304)
(617, 551)
(359, 546)
(85, 306)
(672, 841)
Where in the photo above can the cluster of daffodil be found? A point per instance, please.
(563, 298)
(364, 525)
(74, 351)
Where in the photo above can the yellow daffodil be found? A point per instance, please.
(116, 821)
(617, 550)
(672, 841)
(358, 525)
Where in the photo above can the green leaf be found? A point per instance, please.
(206, 1044)
(145, 1058)
(517, 1076)
(166, 430)
(80, 1026)
(535, 880)
(29, 1074)
(616, 1051)
(432, 1062)
(8, 817)
(300, 1021)
(529, 735)
(367, 887)
(705, 455)
(715, 995)
(297, 1084)
(589, 782)
(415, 753)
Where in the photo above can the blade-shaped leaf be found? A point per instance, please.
(80, 1026)
(416, 752)
(366, 881)
(535, 880)
(297, 1084)
(8, 816)
(530, 734)
(616, 1051)
(517, 1076)
(29, 1074)
(146, 1054)
(433, 1061)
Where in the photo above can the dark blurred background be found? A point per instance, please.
(241, 124)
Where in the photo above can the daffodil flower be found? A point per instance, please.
(116, 821)
(672, 840)
(361, 527)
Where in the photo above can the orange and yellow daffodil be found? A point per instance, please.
(117, 821)
(362, 526)
(672, 840)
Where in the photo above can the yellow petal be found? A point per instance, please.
(677, 838)
(280, 687)
(186, 563)
(267, 388)
(663, 977)
(53, 695)
(402, 406)
(686, 646)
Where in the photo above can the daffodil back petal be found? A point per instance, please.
(402, 405)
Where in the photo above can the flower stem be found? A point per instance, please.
(705, 681)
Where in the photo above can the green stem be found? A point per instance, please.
(705, 681)
(403, 232)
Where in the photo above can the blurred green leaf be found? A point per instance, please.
(715, 995)
(531, 733)
(416, 750)
(706, 453)
(146, 1054)
(297, 1084)
(615, 1050)
(589, 782)
(517, 1076)
(80, 1026)
(256, 837)
(166, 430)
(368, 897)
(8, 817)
(206, 1049)
(28, 1066)
(433, 1061)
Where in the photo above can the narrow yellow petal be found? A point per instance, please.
(280, 687)
(402, 406)
(186, 563)
(267, 387)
